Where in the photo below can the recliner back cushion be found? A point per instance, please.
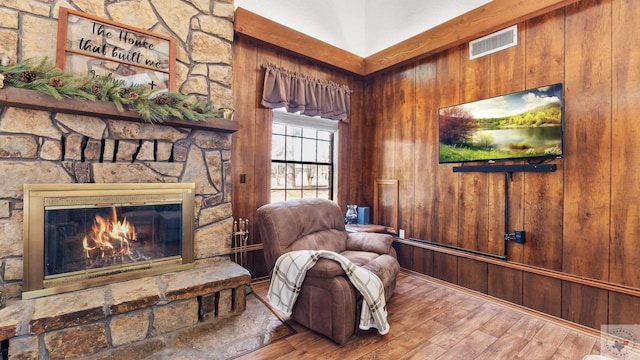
(300, 224)
(331, 239)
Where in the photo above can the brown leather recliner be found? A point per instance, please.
(327, 303)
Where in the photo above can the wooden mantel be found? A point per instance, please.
(31, 99)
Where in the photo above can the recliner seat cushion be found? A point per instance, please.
(386, 267)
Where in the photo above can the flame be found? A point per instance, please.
(109, 237)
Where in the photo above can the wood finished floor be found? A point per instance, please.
(431, 320)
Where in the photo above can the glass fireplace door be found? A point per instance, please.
(83, 235)
(117, 236)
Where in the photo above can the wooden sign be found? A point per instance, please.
(100, 47)
(385, 203)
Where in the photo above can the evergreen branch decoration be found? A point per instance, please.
(152, 106)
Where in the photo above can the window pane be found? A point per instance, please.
(324, 194)
(310, 175)
(278, 128)
(324, 151)
(294, 149)
(324, 135)
(299, 177)
(294, 194)
(309, 133)
(308, 150)
(324, 176)
(278, 173)
(277, 147)
(310, 193)
(277, 195)
(294, 176)
(294, 131)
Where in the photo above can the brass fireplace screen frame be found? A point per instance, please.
(37, 196)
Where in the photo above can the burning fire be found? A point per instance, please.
(109, 237)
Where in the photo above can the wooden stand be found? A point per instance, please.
(365, 228)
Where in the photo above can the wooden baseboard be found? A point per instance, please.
(599, 284)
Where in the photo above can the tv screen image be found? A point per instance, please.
(523, 125)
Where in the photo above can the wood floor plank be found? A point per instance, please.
(434, 320)
(426, 350)
(366, 343)
(272, 351)
(502, 322)
(452, 315)
(405, 344)
(527, 327)
(545, 342)
(575, 345)
(504, 348)
(470, 346)
(464, 327)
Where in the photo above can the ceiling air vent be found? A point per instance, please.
(494, 42)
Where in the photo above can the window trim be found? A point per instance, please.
(280, 116)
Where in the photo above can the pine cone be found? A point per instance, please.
(28, 76)
(97, 88)
(7, 77)
(174, 102)
(133, 95)
(161, 99)
(55, 82)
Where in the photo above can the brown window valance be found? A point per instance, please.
(300, 93)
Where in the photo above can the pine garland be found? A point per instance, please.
(153, 107)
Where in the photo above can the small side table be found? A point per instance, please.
(353, 228)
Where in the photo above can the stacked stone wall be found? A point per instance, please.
(43, 147)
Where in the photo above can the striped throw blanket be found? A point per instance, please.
(290, 271)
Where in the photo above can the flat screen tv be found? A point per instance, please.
(522, 125)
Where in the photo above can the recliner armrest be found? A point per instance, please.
(372, 242)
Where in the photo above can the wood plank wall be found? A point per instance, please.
(251, 151)
(581, 221)
(580, 261)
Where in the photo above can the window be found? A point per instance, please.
(302, 161)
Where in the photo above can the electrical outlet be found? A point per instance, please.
(519, 236)
(401, 234)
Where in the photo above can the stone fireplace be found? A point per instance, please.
(83, 235)
(69, 173)
(61, 149)
(66, 142)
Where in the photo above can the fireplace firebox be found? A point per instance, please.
(84, 235)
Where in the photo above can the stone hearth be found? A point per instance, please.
(103, 319)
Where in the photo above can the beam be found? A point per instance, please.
(484, 20)
(491, 17)
(257, 27)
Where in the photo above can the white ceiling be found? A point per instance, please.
(362, 27)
